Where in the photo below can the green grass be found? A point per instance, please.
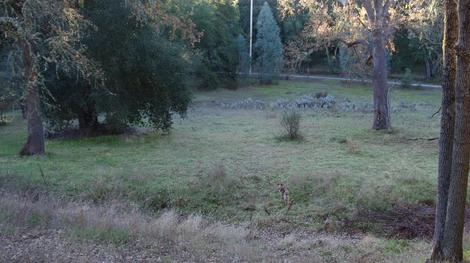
(113, 236)
(293, 89)
(325, 177)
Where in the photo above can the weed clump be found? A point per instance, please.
(290, 124)
(216, 188)
(102, 191)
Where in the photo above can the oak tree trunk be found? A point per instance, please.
(447, 125)
(379, 83)
(35, 142)
(453, 231)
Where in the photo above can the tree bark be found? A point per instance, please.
(429, 68)
(453, 231)
(35, 143)
(379, 82)
(447, 126)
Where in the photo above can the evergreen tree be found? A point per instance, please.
(243, 55)
(268, 46)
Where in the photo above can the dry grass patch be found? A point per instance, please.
(117, 232)
(186, 238)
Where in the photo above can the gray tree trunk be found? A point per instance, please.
(453, 231)
(35, 143)
(429, 68)
(379, 82)
(447, 125)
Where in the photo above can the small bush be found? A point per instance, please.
(290, 123)
(407, 79)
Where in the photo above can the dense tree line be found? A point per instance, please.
(107, 65)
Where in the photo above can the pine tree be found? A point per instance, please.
(243, 56)
(268, 46)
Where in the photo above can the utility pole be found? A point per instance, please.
(251, 35)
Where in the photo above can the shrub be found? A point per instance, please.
(290, 123)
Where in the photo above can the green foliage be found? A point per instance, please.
(393, 247)
(9, 90)
(243, 55)
(407, 53)
(147, 68)
(218, 50)
(145, 73)
(268, 46)
(66, 99)
(102, 235)
(8, 98)
(244, 7)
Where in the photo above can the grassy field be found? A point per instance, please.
(175, 170)
(226, 164)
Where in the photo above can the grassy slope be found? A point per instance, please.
(326, 177)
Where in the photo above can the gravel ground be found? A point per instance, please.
(57, 246)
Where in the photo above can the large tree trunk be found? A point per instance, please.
(379, 83)
(447, 125)
(35, 142)
(453, 231)
(429, 68)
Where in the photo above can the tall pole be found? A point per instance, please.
(251, 35)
